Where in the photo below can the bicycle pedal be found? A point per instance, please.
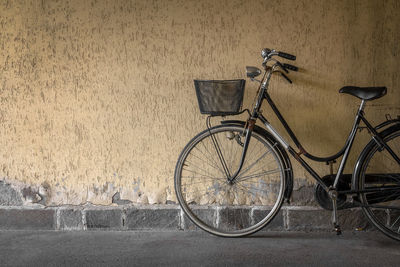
(337, 230)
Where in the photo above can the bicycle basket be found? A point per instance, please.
(220, 97)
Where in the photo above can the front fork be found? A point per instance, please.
(249, 127)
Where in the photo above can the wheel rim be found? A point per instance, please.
(220, 207)
(383, 209)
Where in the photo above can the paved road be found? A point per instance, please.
(85, 248)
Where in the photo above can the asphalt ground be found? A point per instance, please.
(128, 248)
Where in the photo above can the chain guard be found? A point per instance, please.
(322, 197)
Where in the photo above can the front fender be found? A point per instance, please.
(283, 155)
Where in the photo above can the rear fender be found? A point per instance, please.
(363, 154)
(281, 150)
(387, 123)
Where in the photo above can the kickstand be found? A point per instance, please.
(336, 227)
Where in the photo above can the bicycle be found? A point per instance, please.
(244, 170)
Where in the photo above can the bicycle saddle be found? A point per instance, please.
(364, 93)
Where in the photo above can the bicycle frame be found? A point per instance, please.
(256, 114)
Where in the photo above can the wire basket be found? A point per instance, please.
(220, 97)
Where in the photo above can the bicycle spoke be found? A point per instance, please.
(269, 181)
(391, 158)
(244, 189)
(211, 165)
(212, 157)
(200, 174)
(264, 165)
(260, 153)
(386, 198)
(209, 191)
(252, 152)
(215, 159)
(384, 207)
(217, 147)
(398, 219)
(254, 163)
(234, 154)
(251, 188)
(222, 157)
(244, 178)
(394, 156)
(202, 180)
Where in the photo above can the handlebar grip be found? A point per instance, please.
(286, 55)
(290, 67)
(286, 77)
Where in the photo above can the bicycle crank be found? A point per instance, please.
(323, 198)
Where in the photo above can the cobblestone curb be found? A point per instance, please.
(162, 218)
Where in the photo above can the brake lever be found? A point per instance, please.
(281, 66)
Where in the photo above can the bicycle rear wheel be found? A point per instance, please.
(379, 170)
(211, 201)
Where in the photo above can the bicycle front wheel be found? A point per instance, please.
(380, 173)
(230, 208)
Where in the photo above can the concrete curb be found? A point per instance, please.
(161, 218)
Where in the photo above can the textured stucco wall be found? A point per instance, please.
(97, 96)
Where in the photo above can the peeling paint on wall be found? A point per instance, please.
(97, 96)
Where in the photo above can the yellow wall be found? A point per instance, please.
(97, 97)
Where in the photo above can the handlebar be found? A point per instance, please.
(286, 55)
(290, 67)
(267, 55)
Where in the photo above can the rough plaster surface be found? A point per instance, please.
(97, 96)
(9, 196)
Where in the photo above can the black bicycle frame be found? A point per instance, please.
(344, 151)
(256, 114)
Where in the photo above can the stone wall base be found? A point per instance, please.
(160, 218)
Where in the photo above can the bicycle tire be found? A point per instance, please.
(224, 209)
(378, 168)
